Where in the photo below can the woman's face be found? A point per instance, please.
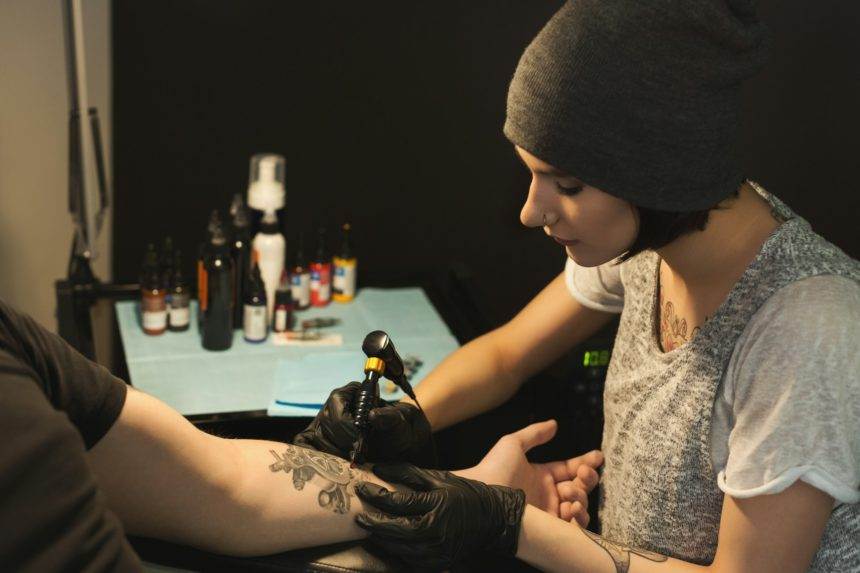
(594, 227)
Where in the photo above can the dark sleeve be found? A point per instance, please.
(88, 393)
(52, 515)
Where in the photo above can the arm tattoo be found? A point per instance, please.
(338, 480)
(621, 553)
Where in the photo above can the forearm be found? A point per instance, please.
(551, 544)
(289, 497)
(470, 381)
(167, 480)
(490, 369)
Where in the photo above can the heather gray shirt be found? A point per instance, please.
(802, 345)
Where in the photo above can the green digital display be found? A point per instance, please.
(595, 358)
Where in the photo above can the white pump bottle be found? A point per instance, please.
(270, 251)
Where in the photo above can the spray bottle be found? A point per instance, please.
(270, 249)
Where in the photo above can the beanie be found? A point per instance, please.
(640, 98)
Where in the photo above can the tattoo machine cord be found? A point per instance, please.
(382, 360)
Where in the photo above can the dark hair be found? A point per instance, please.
(659, 228)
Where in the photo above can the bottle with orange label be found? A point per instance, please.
(203, 255)
(321, 274)
(217, 300)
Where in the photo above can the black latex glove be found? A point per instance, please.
(445, 519)
(398, 431)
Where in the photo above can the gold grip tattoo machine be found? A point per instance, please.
(382, 361)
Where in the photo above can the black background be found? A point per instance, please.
(390, 114)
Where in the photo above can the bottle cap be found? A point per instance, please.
(214, 222)
(177, 265)
(321, 245)
(150, 259)
(218, 237)
(346, 245)
(239, 212)
(266, 182)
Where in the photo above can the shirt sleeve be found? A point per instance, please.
(88, 393)
(53, 517)
(598, 288)
(796, 394)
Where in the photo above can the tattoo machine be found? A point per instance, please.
(382, 361)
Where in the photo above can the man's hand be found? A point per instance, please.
(560, 488)
(398, 431)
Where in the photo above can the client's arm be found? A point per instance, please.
(168, 480)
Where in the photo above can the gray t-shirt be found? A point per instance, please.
(802, 347)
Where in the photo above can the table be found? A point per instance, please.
(249, 378)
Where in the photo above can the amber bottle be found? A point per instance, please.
(153, 303)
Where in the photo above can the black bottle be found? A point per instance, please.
(202, 255)
(179, 316)
(300, 278)
(217, 302)
(240, 247)
(282, 318)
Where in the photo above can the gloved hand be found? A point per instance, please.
(445, 519)
(398, 431)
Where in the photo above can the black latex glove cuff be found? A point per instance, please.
(444, 519)
(511, 504)
(398, 431)
(333, 431)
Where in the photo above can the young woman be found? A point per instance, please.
(732, 401)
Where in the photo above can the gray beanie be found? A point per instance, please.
(640, 98)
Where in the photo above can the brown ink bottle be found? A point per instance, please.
(153, 303)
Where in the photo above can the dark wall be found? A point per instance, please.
(802, 115)
(390, 113)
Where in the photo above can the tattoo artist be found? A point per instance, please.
(732, 403)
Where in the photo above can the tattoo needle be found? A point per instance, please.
(359, 445)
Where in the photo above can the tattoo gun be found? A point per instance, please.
(382, 360)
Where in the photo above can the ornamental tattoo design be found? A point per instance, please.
(621, 553)
(672, 327)
(338, 479)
